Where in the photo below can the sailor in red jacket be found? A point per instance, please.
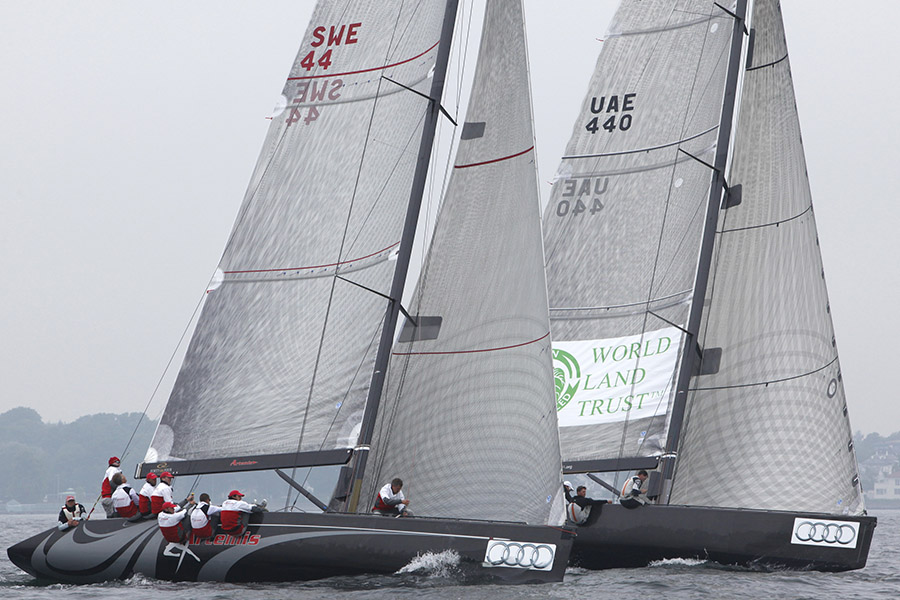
(204, 518)
(145, 493)
(172, 523)
(236, 513)
(125, 499)
(106, 487)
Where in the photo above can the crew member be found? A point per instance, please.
(390, 500)
(106, 488)
(174, 527)
(125, 499)
(71, 514)
(162, 493)
(235, 513)
(144, 495)
(204, 518)
(579, 506)
(634, 494)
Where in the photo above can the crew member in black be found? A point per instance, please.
(71, 514)
(579, 506)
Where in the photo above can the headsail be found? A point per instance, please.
(279, 366)
(623, 228)
(769, 428)
(468, 418)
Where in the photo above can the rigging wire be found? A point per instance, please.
(165, 371)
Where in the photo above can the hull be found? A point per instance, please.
(294, 547)
(618, 537)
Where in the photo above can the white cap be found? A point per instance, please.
(567, 484)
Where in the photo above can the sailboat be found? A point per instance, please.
(299, 358)
(691, 327)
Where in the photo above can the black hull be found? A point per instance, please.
(618, 537)
(290, 547)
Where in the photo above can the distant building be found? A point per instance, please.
(887, 487)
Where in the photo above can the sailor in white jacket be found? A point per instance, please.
(633, 494)
(390, 501)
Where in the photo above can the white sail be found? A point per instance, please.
(468, 418)
(622, 230)
(769, 429)
(281, 360)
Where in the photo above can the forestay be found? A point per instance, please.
(467, 419)
(769, 430)
(281, 359)
(623, 227)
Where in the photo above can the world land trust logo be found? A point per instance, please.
(613, 379)
(566, 376)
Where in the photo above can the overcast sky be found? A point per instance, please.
(130, 130)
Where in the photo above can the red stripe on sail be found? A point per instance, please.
(487, 162)
(473, 351)
(402, 62)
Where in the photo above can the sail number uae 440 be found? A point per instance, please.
(615, 113)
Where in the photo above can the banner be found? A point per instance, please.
(603, 381)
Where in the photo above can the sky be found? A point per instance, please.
(129, 131)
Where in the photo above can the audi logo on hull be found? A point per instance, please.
(819, 532)
(519, 555)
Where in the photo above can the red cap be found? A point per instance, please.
(151, 475)
(235, 493)
(69, 498)
(169, 505)
(166, 474)
(113, 459)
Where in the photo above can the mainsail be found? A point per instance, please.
(468, 417)
(279, 366)
(769, 429)
(623, 228)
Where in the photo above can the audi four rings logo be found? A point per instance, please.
(828, 533)
(525, 555)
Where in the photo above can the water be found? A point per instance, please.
(437, 577)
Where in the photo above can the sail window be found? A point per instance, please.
(472, 130)
(425, 328)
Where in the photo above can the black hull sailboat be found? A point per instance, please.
(296, 547)
(691, 326)
(617, 537)
(298, 358)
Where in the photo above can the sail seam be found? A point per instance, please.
(487, 162)
(396, 64)
(664, 29)
(766, 383)
(775, 223)
(473, 351)
(642, 302)
(771, 64)
(639, 150)
(337, 264)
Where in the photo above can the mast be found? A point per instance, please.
(373, 399)
(692, 352)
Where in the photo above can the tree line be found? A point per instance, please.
(41, 459)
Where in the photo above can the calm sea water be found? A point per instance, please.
(434, 580)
